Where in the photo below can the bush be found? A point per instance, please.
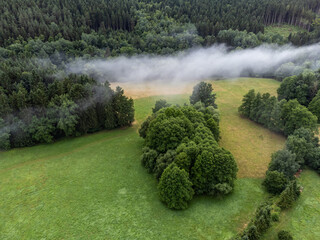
(163, 161)
(285, 162)
(275, 182)
(275, 217)
(284, 235)
(262, 219)
(175, 187)
(148, 159)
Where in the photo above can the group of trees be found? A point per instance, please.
(304, 88)
(40, 110)
(181, 150)
(280, 116)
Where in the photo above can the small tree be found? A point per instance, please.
(175, 187)
(160, 104)
(284, 235)
(285, 162)
(275, 182)
(247, 100)
(289, 195)
(202, 92)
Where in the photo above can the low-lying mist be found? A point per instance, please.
(201, 63)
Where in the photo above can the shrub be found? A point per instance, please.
(163, 162)
(284, 235)
(275, 182)
(148, 159)
(275, 217)
(262, 219)
(175, 187)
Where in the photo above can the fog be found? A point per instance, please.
(198, 64)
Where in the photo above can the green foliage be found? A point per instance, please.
(175, 187)
(275, 182)
(303, 144)
(63, 111)
(289, 195)
(284, 235)
(144, 127)
(275, 217)
(314, 106)
(214, 173)
(4, 136)
(41, 130)
(39, 109)
(297, 116)
(202, 92)
(148, 159)
(163, 161)
(280, 116)
(160, 104)
(165, 134)
(247, 101)
(262, 219)
(284, 162)
(302, 87)
(183, 161)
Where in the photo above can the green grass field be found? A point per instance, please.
(93, 187)
(284, 29)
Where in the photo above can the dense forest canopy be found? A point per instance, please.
(69, 19)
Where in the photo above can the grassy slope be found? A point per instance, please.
(284, 30)
(93, 187)
(303, 219)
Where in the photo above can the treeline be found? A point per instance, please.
(182, 151)
(36, 110)
(54, 19)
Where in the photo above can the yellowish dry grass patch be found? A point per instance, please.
(250, 143)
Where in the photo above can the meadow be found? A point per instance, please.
(94, 187)
(283, 29)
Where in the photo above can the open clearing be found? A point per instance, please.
(93, 187)
(284, 29)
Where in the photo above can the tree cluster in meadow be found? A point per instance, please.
(182, 151)
(279, 116)
(39, 108)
